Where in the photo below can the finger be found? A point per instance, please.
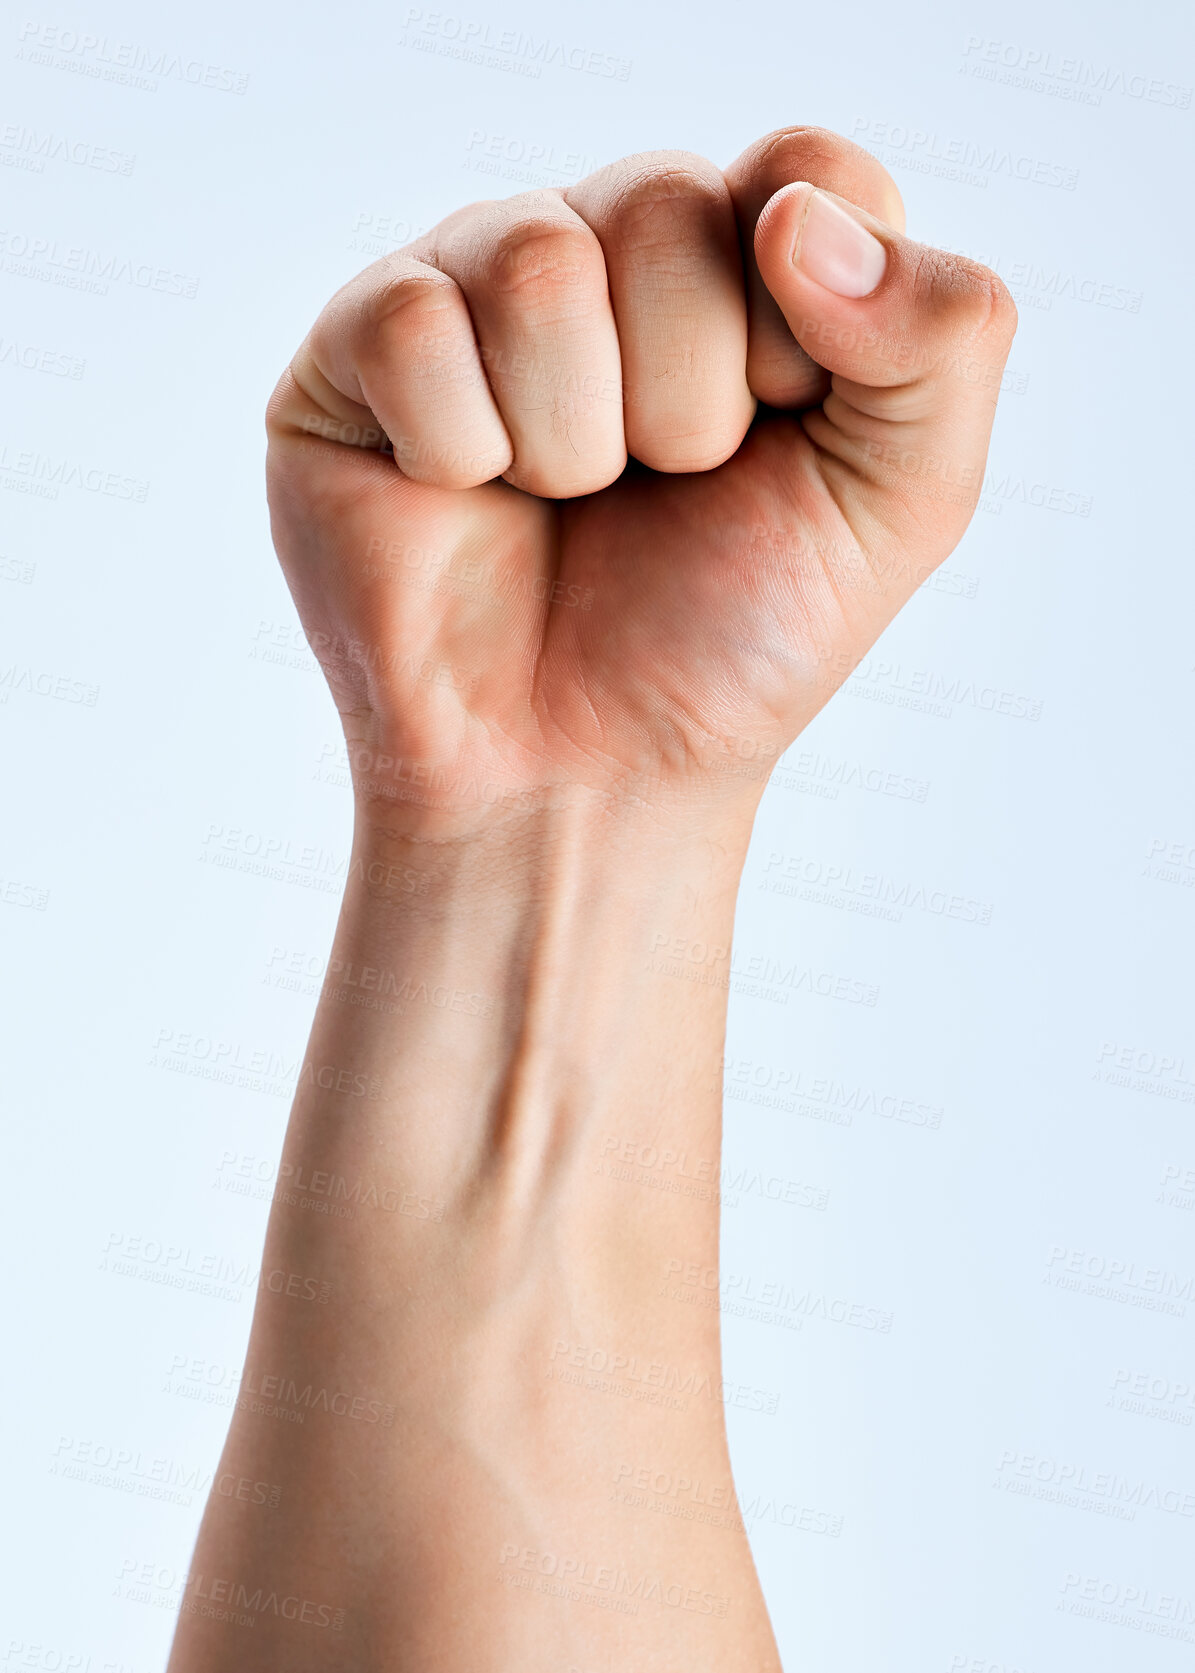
(535, 281)
(915, 340)
(666, 225)
(394, 352)
(779, 372)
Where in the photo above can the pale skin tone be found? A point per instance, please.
(562, 678)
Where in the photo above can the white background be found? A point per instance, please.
(1003, 1479)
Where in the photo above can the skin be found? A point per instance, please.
(588, 501)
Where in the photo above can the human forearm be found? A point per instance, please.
(503, 1017)
(665, 450)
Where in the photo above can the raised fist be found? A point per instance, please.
(612, 486)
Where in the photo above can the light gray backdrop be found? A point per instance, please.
(959, 1203)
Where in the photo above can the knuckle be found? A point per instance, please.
(1004, 315)
(449, 228)
(781, 374)
(410, 302)
(283, 403)
(826, 159)
(445, 467)
(680, 450)
(980, 300)
(661, 197)
(818, 148)
(537, 256)
(549, 482)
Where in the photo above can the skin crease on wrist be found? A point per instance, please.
(588, 501)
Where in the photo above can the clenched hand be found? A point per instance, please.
(607, 485)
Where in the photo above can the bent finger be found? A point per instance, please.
(779, 371)
(394, 351)
(915, 340)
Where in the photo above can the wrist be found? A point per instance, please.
(452, 789)
(505, 999)
(593, 861)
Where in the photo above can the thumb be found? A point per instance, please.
(915, 340)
